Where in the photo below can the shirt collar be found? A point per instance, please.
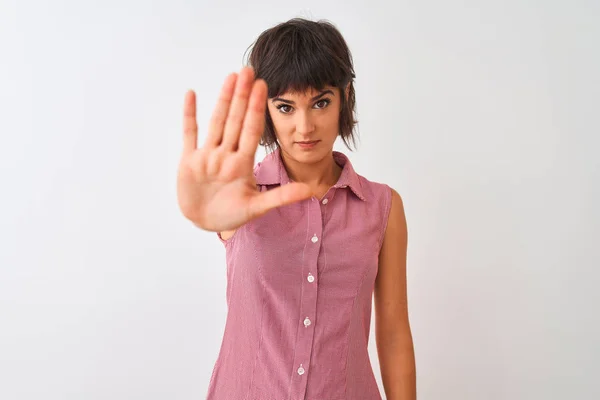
(271, 171)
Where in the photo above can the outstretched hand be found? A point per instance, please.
(216, 188)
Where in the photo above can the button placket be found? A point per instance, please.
(308, 301)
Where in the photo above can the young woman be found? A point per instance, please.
(308, 240)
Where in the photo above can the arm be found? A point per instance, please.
(392, 328)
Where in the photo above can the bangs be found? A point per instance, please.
(296, 60)
(301, 68)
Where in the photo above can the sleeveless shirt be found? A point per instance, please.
(300, 282)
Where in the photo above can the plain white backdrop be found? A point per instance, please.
(483, 115)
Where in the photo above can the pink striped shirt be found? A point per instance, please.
(300, 281)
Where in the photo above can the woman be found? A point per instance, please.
(308, 240)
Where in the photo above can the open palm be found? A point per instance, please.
(216, 188)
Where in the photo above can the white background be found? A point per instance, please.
(483, 115)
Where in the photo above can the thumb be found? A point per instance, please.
(278, 197)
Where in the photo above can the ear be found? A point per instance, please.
(347, 89)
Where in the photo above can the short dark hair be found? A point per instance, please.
(300, 54)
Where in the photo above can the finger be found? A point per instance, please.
(277, 197)
(190, 127)
(219, 116)
(237, 111)
(213, 162)
(254, 123)
(197, 163)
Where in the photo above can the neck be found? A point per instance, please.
(324, 172)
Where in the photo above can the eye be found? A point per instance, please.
(324, 103)
(281, 106)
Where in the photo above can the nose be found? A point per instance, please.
(304, 123)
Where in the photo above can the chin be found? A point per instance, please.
(306, 155)
(309, 156)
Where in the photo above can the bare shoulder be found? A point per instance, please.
(397, 202)
(390, 286)
(396, 230)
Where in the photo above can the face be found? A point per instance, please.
(306, 124)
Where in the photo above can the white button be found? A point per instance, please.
(306, 322)
(300, 370)
(310, 278)
(325, 201)
(314, 239)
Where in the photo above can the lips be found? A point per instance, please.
(307, 145)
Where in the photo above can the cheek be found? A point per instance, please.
(333, 118)
(330, 122)
(281, 124)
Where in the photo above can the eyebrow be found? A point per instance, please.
(323, 93)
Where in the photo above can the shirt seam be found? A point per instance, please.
(362, 279)
(262, 314)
